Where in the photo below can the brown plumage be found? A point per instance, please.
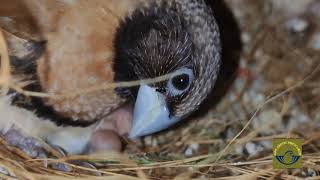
(81, 46)
(88, 43)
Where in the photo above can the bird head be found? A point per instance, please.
(179, 39)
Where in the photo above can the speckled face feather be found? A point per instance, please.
(173, 34)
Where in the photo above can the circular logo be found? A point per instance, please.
(287, 153)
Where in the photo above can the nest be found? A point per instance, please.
(276, 94)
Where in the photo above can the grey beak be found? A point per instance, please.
(151, 113)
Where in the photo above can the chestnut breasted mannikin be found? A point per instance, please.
(78, 44)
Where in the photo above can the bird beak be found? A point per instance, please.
(151, 113)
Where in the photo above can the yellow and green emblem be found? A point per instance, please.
(287, 153)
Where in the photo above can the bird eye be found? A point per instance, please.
(180, 82)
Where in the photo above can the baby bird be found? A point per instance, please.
(72, 45)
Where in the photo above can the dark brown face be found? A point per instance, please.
(160, 49)
(157, 43)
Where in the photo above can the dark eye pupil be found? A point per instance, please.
(181, 82)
